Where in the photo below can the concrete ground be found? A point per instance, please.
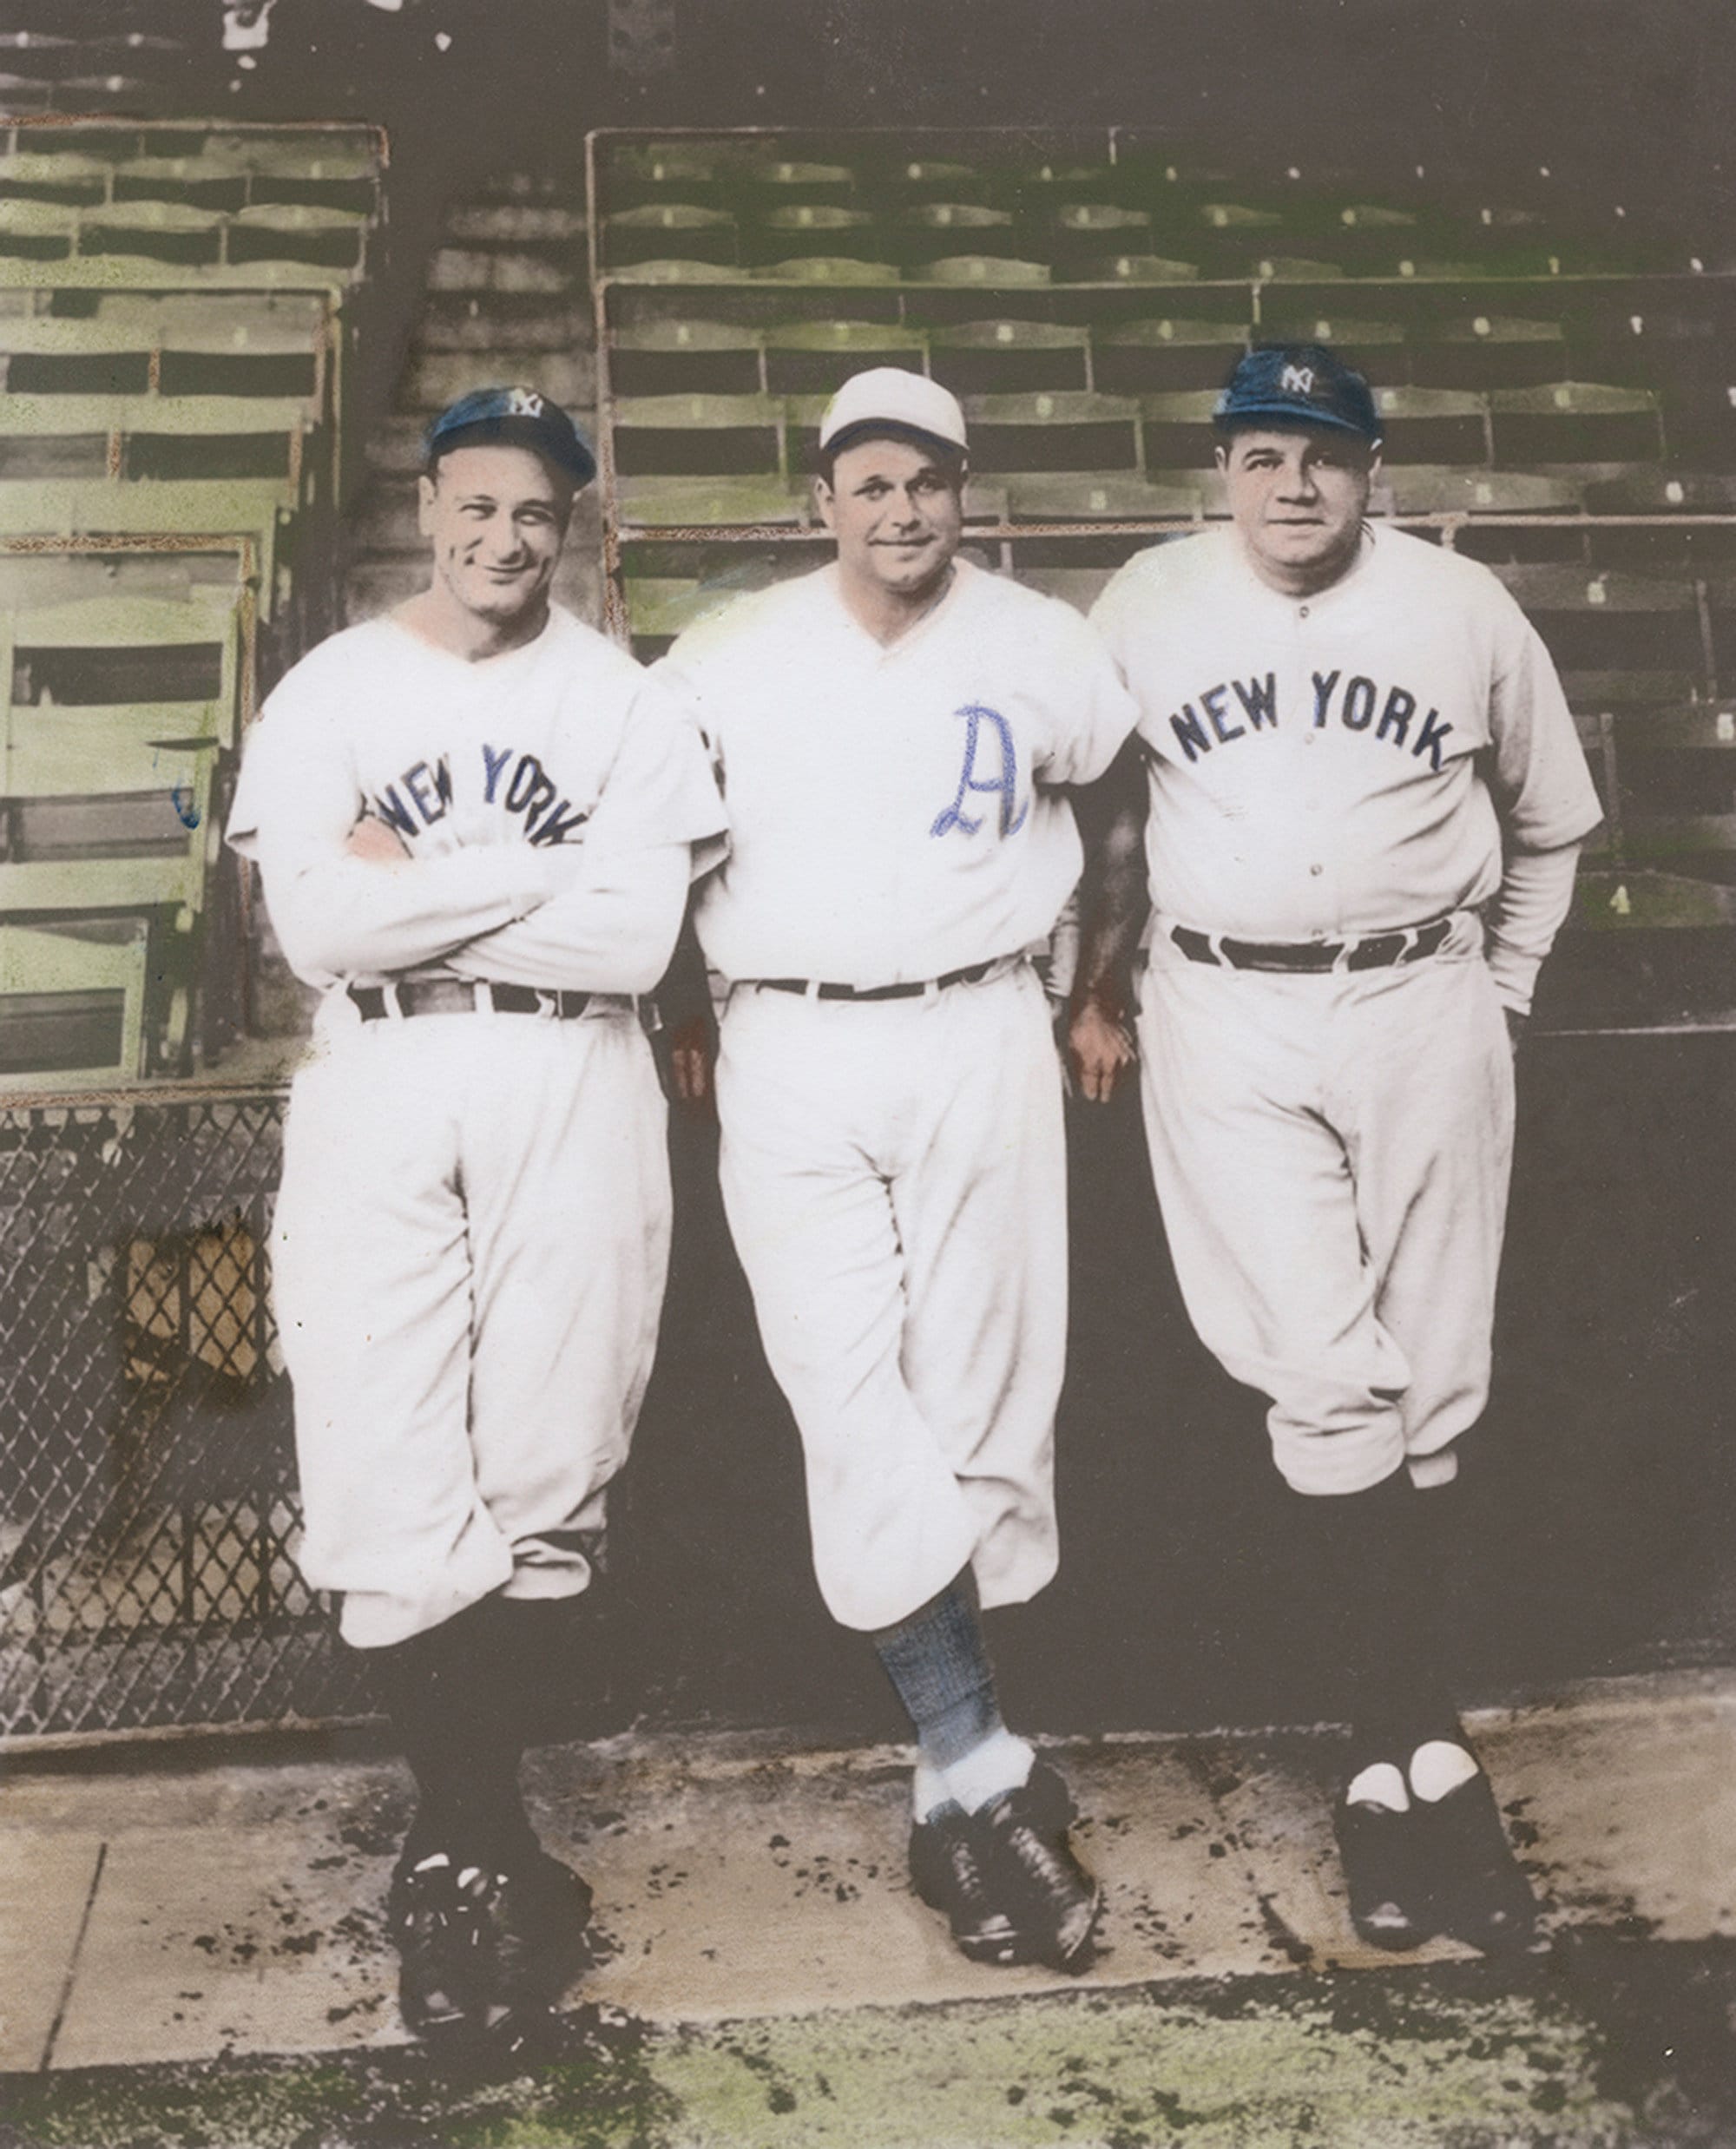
(192, 1951)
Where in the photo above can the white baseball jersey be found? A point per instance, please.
(510, 780)
(1348, 762)
(893, 815)
(893, 1170)
(469, 1247)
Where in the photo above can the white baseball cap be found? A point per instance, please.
(888, 396)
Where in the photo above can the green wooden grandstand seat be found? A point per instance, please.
(634, 174)
(296, 232)
(1576, 422)
(48, 175)
(933, 231)
(697, 436)
(665, 503)
(151, 667)
(37, 231)
(676, 271)
(1375, 346)
(992, 272)
(1177, 429)
(907, 180)
(813, 227)
(1081, 231)
(1297, 269)
(46, 356)
(1619, 640)
(1153, 271)
(1008, 357)
(321, 171)
(1368, 238)
(170, 232)
(815, 358)
(660, 607)
(257, 513)
(72, 1001)
(680, 231)
(1433, 425)
(1701, 507)
(770, 179)
(204, 182)
(1065, 430)
(1102, 497)
(672, 357)
(1451, 488)
(1166, 355)
(148, 436)
(1486, 351)
(828, 268)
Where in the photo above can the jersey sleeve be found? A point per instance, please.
(1538, 775)
(1092, 712)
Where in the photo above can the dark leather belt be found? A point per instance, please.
(969, 976)
(1373, 951)
(459, 995)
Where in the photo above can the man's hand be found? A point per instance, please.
(1099, 1049)
(691, 1053)
(375, 843)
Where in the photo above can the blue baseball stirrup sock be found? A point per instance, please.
(940, 1670)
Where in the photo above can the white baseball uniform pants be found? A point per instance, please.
(1331, 1155)
(469, 1257)
(895, 1180)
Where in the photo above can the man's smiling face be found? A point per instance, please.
(496, 517)
(896, 510)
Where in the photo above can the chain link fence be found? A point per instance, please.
(147, 1505)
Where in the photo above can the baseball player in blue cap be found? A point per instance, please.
(1364, 800)
(475, 822)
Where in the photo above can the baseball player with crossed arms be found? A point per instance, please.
(474, 819)
(893, 735)
(1364, 804)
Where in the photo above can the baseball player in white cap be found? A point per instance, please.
(475, 820)
(1364, 803)
(893, 734)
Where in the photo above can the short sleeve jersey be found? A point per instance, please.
(563, 741)
(1350, 761)
(894, 811)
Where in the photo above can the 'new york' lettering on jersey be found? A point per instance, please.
(894, 811)
(1330, 764)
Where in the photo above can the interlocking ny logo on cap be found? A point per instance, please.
(1298, 379)
(525, 402)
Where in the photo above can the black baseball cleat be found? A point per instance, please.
(1379, 1852)
(484, 1954)
(437, 1915)
(1027, 1854)
(947, 1873)
(1478, 1893)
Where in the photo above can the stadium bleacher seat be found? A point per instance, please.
(706, 503)
(1574, 422)
(1064, 430)
(1166, 356)
(1618, 639)
(72, 1001)
(1433, 425)
(693, 356)
(1488, 350)
(813, 228)
(1009, 356)
(814, 357)
(676, 231)
(1102, 497)
(698, 435)
(932, 231)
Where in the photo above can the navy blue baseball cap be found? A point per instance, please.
(1298, 384)
(521, 418)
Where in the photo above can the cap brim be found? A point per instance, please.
(862, 428)
(1288, 414)
(513, 432)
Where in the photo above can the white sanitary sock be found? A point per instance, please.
(1001, 1763)
(1438, 1767)
(1381, 1784)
